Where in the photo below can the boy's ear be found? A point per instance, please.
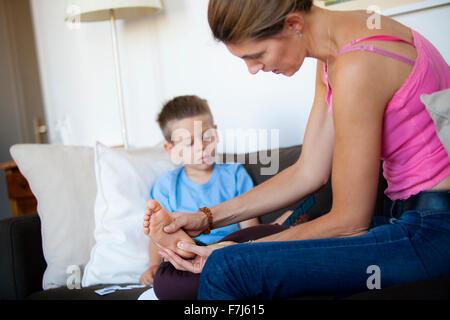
(168, 146)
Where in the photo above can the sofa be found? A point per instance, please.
(23, 263)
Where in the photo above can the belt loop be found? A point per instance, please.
(393, 208)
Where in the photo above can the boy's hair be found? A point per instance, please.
(180, 108)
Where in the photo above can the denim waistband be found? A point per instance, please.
(425, 200)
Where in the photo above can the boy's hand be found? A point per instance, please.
(148, 277)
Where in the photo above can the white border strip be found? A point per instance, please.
(414, 7)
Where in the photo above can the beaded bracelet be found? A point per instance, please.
(209, 216)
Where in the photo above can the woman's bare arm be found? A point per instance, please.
(359, 99)
(310, 173)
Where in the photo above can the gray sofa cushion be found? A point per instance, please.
(22, 262)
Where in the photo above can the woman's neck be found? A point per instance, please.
(319, 33)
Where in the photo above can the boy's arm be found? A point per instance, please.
(155, 258)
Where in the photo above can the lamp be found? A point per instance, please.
(102, 10)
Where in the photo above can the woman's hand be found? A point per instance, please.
(195, 265)
(194, 224)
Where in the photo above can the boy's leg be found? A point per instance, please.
(173, 284)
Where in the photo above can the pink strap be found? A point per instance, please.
(349, 47)
(377, 38)
(380, 51)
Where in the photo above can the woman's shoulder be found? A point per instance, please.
(363, 76)
(369, 63)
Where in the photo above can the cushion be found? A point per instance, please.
(438, 106)
(22, 262)
(63, 182)
(124, 179)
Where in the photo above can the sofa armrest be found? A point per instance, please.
(22, 262)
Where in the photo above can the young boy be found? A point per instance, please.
(191, 138)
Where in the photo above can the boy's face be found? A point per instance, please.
(194, 142)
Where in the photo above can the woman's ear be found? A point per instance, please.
(294, 22)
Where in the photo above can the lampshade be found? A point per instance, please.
(98, 10)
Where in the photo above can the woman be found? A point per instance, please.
(366, 107)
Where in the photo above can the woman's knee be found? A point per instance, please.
(222, 275)
(212, 277)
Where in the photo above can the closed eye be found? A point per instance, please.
(253, 56)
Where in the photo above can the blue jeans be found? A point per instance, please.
(412, 247)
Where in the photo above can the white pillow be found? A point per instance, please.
(438, 106)
(124, 179)
(63, 182)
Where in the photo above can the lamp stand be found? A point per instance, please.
(118, 78)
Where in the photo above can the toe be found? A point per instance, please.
(153, 205)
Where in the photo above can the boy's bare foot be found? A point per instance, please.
(155, 219)
(147, 221)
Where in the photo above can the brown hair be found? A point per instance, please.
(180, 108)
(235, 20)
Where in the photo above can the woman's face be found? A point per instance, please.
(283, 54)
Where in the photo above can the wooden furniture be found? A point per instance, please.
(20, 196)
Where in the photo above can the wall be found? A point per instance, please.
(165, 55)
(20, 92)
(9, 119)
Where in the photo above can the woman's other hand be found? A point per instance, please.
(195, 265)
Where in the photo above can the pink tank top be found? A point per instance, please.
(414, 157)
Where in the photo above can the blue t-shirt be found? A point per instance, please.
(177, 193)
